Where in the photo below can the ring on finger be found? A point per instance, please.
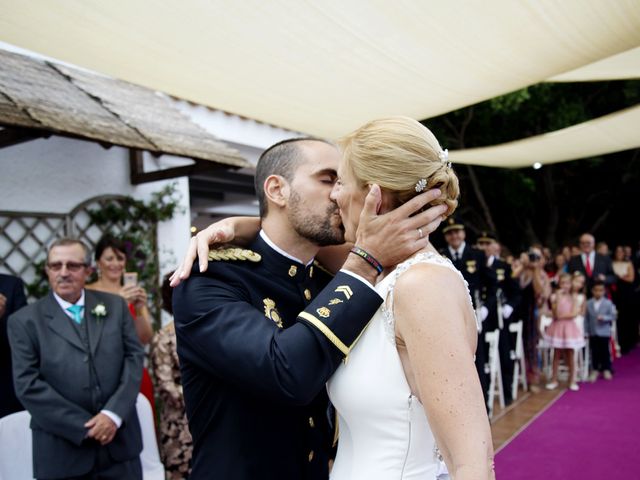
(420, 232)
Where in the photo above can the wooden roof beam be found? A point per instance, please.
(10, 136)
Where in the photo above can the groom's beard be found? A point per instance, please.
(322, 229)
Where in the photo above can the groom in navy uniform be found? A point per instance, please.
(263, 328)
(77, 366)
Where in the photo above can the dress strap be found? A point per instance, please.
(422, 257)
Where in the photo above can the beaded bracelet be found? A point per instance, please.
(367, 257)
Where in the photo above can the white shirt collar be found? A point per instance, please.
(269, 242)
(490, 260)
(592, 258)
(64, 304)
(459, 251)
(597, 303)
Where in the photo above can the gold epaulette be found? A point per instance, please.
(319, 266)
(234, 253)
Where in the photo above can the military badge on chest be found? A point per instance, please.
(271, 312)
(471, 266)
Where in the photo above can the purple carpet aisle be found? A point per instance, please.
(590, 434)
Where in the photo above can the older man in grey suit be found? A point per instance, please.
(77, 365)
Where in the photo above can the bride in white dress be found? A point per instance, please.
(408, 394)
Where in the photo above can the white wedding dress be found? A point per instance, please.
(384, 432)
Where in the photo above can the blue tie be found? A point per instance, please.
(76, 311)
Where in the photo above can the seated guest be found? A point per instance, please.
(176, 444)
(77, 364)
(11, 299)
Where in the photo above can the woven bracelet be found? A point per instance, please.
(368, 258)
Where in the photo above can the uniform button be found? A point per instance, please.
(307, 294)
(311, 455)
(85, 359)
(311, 422)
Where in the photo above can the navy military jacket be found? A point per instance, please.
(481, 279)
(257, 341)
(510, 293)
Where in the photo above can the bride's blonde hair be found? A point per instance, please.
(396, 153)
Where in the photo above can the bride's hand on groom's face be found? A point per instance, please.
(396, 235)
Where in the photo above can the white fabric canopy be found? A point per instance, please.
(611, 133)
(625, 65)
(326, 67)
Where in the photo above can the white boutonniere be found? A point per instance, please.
(99, 311)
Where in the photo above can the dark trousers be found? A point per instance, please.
(505, 346)
(600, 356)
(482, 357)
(106, 469)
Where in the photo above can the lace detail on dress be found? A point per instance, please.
(422, 257)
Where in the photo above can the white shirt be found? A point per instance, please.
(269, 242)
(592, 259)
(596, 304)
(64, 305)
(459, 251)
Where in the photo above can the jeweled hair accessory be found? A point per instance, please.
(444, 157)
(421, 185)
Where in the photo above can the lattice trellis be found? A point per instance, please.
(25, 236)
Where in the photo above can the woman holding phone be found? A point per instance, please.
(110, 260)
(112, 278)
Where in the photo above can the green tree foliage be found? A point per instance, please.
(555, 204)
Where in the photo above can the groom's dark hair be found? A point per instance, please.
(279, 159)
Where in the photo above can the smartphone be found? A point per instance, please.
(130, 279)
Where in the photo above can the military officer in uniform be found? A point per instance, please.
(507, 301)
(263, 328)
(472, 263)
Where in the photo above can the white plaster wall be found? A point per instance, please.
(56, 174)
(249, 136)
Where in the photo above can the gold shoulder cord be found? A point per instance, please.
(234, 254)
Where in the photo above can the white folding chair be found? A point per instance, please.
(152, 467)
(582, 355)
(546, 350)
(16, 456)
(16, 462)
(519, 367)
(495, 371)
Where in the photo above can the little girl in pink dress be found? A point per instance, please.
(563, 334)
